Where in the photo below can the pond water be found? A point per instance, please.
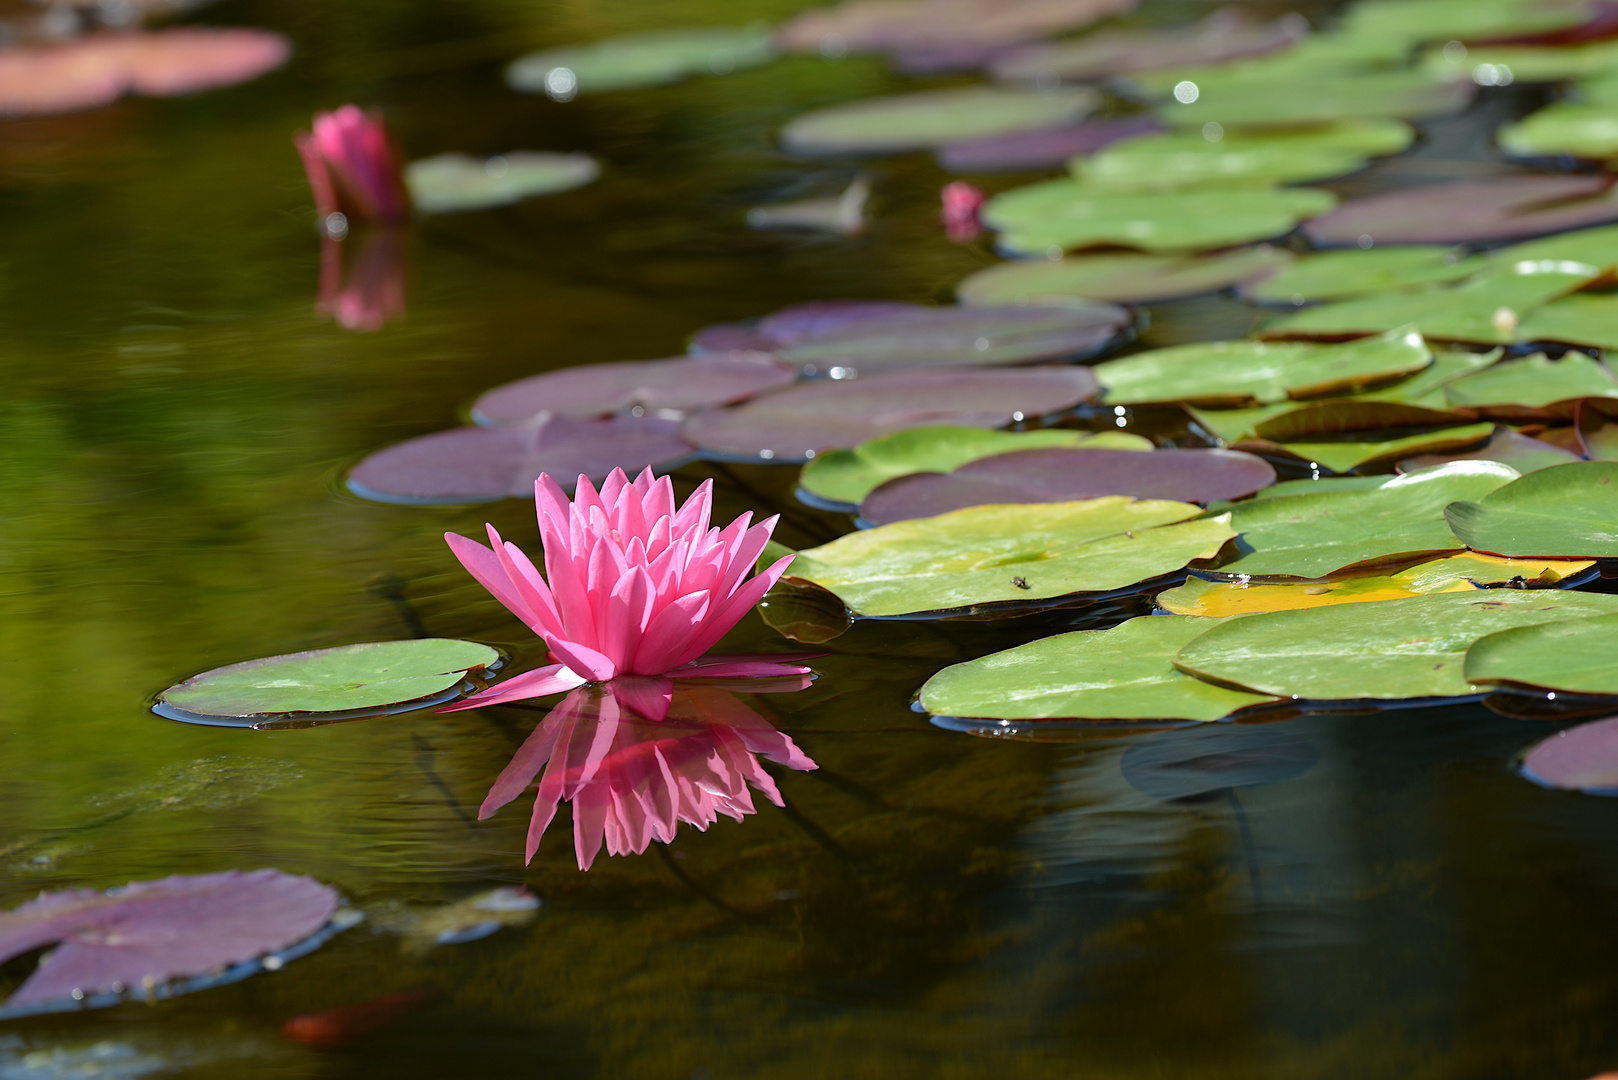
(1393, 902)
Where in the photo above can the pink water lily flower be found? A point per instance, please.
(633, 585)
(354, 169)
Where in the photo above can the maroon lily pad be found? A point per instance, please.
(483, 464)
(150, 932)
(900, 25)
(1043, 148)
(1582, 758)
(677, 384)
(1059, 474)
(793, 324)
(100, 69)
(1470, 211)
(803, 420)
(963, 337)
(1226, 35)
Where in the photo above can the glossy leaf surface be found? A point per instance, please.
(1334, 275)
(679, 383)
(1567, 511)
(1579, 656)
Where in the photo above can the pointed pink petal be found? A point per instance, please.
(530, 684)
(693, 516)
(484, 565)
(739, 604)
(536, 595)
(592, 665)
(663, 643)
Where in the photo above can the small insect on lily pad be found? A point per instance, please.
(933, 118)
(1470, 211)
(156, 939)
(343, 682)
(450, 183)
(1567, 511)
(476, 464)
(633, 61)
(674, 385)
(1582, 758)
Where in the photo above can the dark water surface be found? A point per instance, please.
(176, 420)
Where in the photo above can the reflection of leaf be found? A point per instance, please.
(1408, 648)
(1126, 673)
(1566, 511)
(1001, 554)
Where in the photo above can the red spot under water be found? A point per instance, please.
(326, 1030)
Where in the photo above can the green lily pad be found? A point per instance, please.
(1410, 648)
(1466, 20)
(1061, 214)
(449, 183)
(1495, 309)
(1347, 455)
(1005, 554)
(1235, 372)
(1317, 55)
(1532, 382)
(1336, 275)
(1567, 511)
(1579, 656)
(1565, 127)
(1125, 673)
(374, 674)
(1191, 159)
(1594, 249)
(1312, 535)
(1321, 100)
(1525, 63)
(933, 118)
(1354, 416)
(1577, 319)
(632, 61)
(842, 478)
(1122, 278)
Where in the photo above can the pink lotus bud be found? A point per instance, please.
(962, 201)
(354, 169)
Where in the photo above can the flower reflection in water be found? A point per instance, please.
(372, 291)
(631, 779)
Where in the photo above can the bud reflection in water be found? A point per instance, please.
(631, 779)
(369, 291)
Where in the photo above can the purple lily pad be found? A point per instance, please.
(150, 932)
(1582, 758)
(1471, 211)
(1044, 148)
(963, 337)
(799, 422)
(1509, 447)
(483, 464)
(1223, 36)
(912, 25)
(793, 324)
(1059, 474)
(676, 384)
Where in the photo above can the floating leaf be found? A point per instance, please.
(1334, 275)
(1470, 211)
(1349, 454)
(1529, 383)
(903, 25)
(679, 384)
(1465, 572)
(484, 464)
(797, 323)
(932, 118)
(1060, 214)
(1582, 758)
(840, 479)
(100, 69)
(371, 675)
(1354, 416)
(1326, 98)
(1487, 310)
(842, 214)
(1124, 278)
(960, 337)
(449, 183)
(1187, 764)
(1223, 36)
(1564, 127)
(632, 61)
(1005, 554)
(1312, 535)
(801, 421)
(1061, 474)
(1233, 372)
(1191, 159)
(135, 939)
(1506, 446)
(1567, 511)
(1579, 319)
(1466, 20)
(1126, 673)
(1577, 656)
(1043, 148)
(1411, 648)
